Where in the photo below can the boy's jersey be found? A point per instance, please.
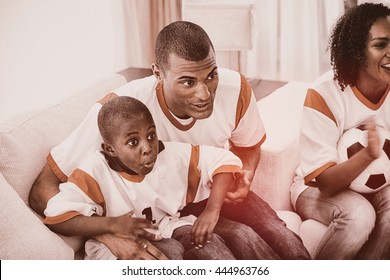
(179, 176)
(327, 113)
(235, 118)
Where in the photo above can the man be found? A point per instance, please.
(193, 101)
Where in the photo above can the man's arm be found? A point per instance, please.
(44, 188)
(250, 158)
(124, 226)
(122, 235)
(47, 185)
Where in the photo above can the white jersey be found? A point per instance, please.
(179, 176)
(235, 118)
(327, 113)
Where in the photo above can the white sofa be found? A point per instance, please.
(26, 140)
(281, 112)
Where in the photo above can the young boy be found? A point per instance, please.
(135, 176)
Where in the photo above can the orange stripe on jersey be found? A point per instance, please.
(56, 169)
(89, 186)
(317, 172)
(167, 113)
(107, 98)
(359, 95)
(60, 218)
(132, 178)
(234, 169)
(243, 100)
(193, 174)
(315, 101)
(254, 146)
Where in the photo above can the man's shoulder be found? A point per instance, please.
(138, 88)
(228, 77)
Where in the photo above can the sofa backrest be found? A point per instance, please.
(26, 140)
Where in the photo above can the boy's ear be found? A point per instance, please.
(108, 149)
(156, 71)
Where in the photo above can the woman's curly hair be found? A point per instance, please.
(348, 41)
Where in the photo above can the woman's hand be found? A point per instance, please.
(373, 148)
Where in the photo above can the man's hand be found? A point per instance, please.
(130, 249)
(241, 188)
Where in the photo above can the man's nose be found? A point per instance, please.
(203, 92)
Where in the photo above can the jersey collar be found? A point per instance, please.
(167, 112)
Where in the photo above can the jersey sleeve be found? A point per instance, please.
(214, 160)
(249, 130)
(80, 144)
(71, 201)
(319, 135)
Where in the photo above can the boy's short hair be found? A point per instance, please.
(187, 40)
(121, 108)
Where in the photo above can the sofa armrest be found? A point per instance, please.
(23, 235)
(281, 112)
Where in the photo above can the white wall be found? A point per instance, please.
(50, 49)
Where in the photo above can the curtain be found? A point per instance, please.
(292, 39)
(143, 19)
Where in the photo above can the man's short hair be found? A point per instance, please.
(185, 39)
(119, 109)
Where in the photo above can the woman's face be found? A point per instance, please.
(377, 52)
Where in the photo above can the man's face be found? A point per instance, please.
(190, 86)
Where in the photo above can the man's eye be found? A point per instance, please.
(132, 142)
(188, 83)
(152, 136)
(212, 76)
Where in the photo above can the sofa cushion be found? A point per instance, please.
(311, 233)
(292, 220)
(23, 235)
(281, 112)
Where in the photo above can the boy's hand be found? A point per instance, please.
(202, 230)
(126, 226)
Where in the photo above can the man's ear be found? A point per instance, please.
(157, 71)
(108, 149)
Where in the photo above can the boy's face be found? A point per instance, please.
(190, 86)
(136, 144)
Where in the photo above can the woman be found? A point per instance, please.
(355, 94)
